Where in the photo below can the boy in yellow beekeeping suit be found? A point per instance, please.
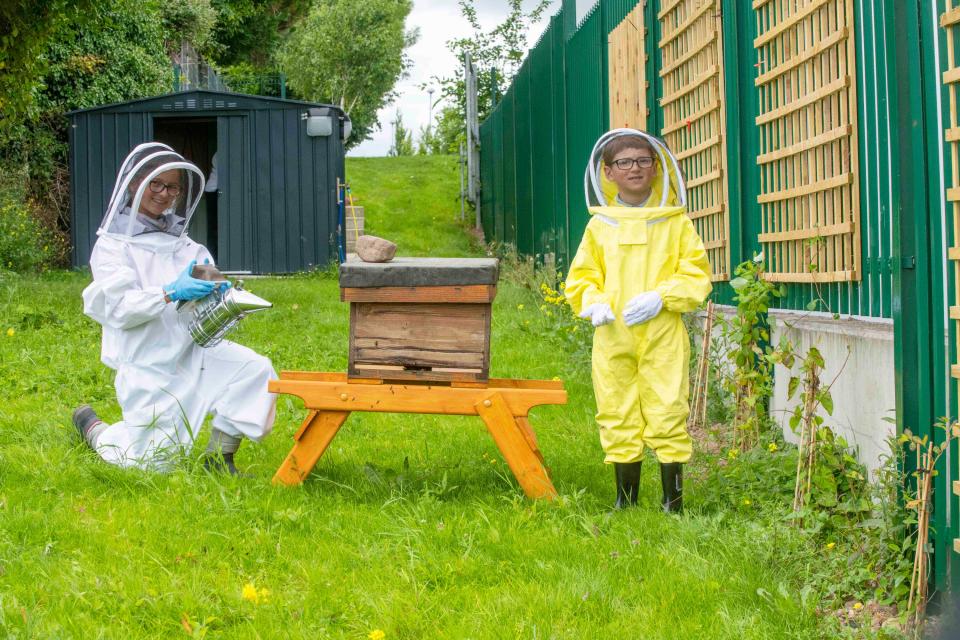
(639, 266)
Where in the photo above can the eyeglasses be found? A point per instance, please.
(173, 190)
(625, 164)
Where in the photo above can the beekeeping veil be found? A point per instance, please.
(667, 190)
(126, 219)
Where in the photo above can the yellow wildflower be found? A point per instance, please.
(250, 593)
(831, 545)
(732, 454)
(772, 447)
(519, 307)
(556, 378)
(10, 332)
(377, 634)
(563, 285)
(857, 606)
(747, 502)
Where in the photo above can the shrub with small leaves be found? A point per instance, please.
(25, 246)
(748, 335)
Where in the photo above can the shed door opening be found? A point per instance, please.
(196, 140)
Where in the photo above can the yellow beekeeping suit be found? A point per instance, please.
(640, 373)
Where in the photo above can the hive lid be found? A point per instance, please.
(419, 272)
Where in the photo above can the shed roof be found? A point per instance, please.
(201, 100)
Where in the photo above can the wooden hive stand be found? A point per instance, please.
(502, 404)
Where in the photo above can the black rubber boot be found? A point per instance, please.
(221, 463)
(628, 483)
(671, 476)
(86, 420)
(218, 457)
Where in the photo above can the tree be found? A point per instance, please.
(26, 29)
(115, 53)
(119, 55)
(449, 131)
(192, 21)
(497, 56)
(251, 31)
(402, 138)
(350, 54)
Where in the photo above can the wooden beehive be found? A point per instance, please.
(420, 318)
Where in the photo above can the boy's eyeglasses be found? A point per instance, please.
(173, 190)
(625, 164)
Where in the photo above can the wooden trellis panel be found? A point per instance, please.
(809, 188)
(950, 21)
(694, 117)
(628, 79)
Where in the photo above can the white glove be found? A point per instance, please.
(598, 314)
(643, 307)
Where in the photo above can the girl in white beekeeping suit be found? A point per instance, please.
(166, 385)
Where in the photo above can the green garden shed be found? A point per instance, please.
(278, 162)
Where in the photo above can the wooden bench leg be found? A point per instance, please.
(312, 440)
(531, 437)
(515, 444)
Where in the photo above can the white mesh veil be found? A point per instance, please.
(593, 183)
(143, 200)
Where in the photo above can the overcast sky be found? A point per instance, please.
(439, 21)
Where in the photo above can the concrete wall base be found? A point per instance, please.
(859, 358)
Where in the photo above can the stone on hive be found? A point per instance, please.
(374, 249)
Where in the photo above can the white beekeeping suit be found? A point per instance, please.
(166, 385)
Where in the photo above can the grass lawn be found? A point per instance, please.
(410, 524)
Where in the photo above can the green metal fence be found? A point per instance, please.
(535, 144)
(926, 341)
(557, 106)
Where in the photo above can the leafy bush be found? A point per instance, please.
(748, 334)
(190, 20)
(25, 246)
(247, 78)
(857, 531)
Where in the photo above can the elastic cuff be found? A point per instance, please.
(662, 290)
(595, 298)
(156, 293)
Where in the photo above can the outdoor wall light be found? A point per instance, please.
(319, 122)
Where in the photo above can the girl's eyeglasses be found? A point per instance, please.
(173, 190)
